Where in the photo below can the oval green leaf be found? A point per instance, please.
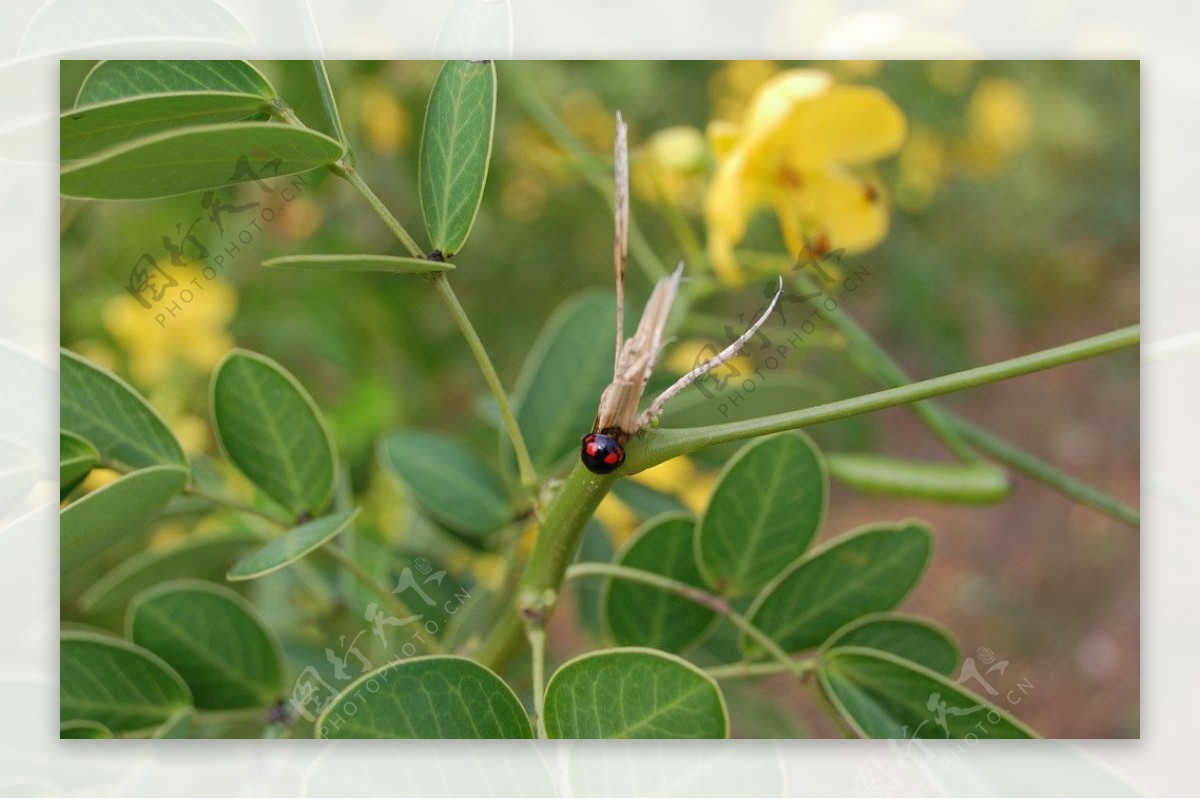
(291, 546)
(641, 615)
(205, 557)
(122, 508)
(768, 504)
(633, 693)
(392, 264)
(426, 697)
(104, 410)
(196, 158)
(908, 637)
(560, 383)
(867, 571)
(115, 683)
(84, 132)
(884, 696)
(271, 429)
(971, 484)
(213, 639)
(117, 80)
(83, 729)
(456, 146)
(76, 458)
(448, 481)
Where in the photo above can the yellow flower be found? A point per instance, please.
(794, 152)
(1000, 124)
(671, 167)
(194, 334)
(384, 122)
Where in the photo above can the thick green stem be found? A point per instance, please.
(524, 463)
(698, 595)
(557, 542)
(651, 447)
(746, 669)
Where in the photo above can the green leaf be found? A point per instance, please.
(116, 684)
(103, 409)
(426, 697)
(633, 693)
(641, 615)
(291, 546)
(117, 80)
(767, 506)
(84, 132)
(204, 557)
(213, 639)
(867, 571)
(392, 264)
(76, 458)
(196, 158)
(122, 508)
(909, 637)
(884, 696)
(83, 729)
(973, 484)
(556, 394)
(456, 146)
(271, 429)
(449, 482)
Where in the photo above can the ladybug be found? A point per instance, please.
(601, 453)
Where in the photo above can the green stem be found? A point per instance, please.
(236, 505)
(394, 604)
(698, 595)
(1040, 470)
(525, 468)
(745, 669)
(536, 634)
(329, 104)
(524, 463)
(563, 524)
(875, 360)
(652, 446)
(350, 174)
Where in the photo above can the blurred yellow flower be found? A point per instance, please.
(385, 125)
(923, 168)
(672, 167)
(731, 86)
(195, 334)
(794, 152)
(618, 519)
(680, 478)
(1000, 124)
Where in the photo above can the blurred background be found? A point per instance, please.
(1012, 211)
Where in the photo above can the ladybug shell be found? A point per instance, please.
(601, 453)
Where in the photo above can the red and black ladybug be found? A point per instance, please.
(601, 453)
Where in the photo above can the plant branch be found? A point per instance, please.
(329, 104)
(528, 475)
(536, 633)
(1039, 470)
(235, 505)
(524, 463)
(745, 669)
(651, 447)
(701, 597)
